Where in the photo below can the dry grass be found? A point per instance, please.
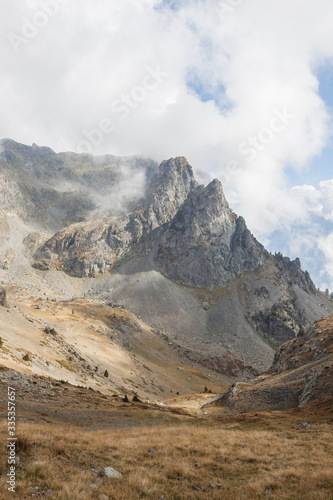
(202, 460)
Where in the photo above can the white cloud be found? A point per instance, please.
(325, 244)
(307, 231)
(255, 59)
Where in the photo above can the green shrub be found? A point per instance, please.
(52, 331)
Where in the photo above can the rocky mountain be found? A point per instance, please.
(128, 231)
(53, 190)
(302, 373)
(89, 248)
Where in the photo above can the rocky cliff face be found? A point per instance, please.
(312, 345)
(171, 251)
(302, 373)
(94, 247)
(206, 244)
(55, 190)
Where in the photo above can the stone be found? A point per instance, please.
(95, 485)
(110, 473)
(83, 494)
(103, 497)
(304, 425)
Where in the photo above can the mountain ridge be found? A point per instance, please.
(170, 250)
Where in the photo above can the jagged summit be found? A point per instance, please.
(206, 244)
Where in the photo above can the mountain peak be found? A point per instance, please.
(206, 245)
(175, 168)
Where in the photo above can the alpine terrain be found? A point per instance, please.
(108, 231)
(131, 296)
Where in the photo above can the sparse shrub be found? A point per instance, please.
(136, 399)
(52, 331)
(106, 374)
(1, 343)
(23, 444)
(125, 399)
(26, 357)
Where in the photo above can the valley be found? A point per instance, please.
(144, 328)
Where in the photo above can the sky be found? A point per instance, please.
(242, 88)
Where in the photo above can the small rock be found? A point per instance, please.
(305, 425)
(151, 450)
(197, 465)
(95, 485)
(83, 494)
(103, 497)
(112, 473)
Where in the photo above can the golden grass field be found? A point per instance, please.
(247, 457)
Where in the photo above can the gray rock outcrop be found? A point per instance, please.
(206, 244)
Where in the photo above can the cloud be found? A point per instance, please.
(230, 66)
(306, 230)
(130, 185)
(325, 244)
